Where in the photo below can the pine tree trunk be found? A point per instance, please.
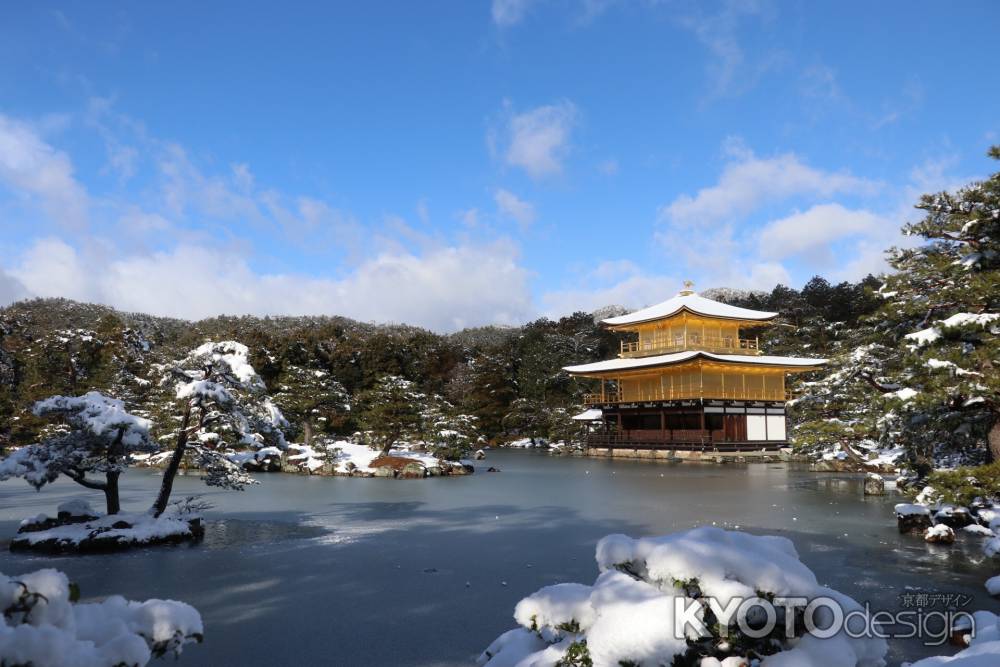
(167, 485)
(111, 497)
(993, 439)
(307, 432)
(115, 454)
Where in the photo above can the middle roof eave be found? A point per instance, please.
(613, 365)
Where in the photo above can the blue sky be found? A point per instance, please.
(458, 163)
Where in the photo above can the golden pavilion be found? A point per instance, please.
(688, 379)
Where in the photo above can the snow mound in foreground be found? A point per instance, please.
(983, 651)
(630, 614)
(40, 625)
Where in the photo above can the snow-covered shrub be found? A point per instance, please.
(630, 615)
(43, 625)
(963, 486)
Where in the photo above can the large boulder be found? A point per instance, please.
(874, 485)
(913, 518)
(385, 471)
(413, 470)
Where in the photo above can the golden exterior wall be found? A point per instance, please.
(687, 332)
(702, 381)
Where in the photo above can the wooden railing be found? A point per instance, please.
(720, 344)
(677, 440)
(683, 394)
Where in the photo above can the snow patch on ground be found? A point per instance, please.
(344, 453)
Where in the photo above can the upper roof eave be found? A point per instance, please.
(691, 303)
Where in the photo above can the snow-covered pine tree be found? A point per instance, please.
(942, 315)
(95, 437)
(225, 408)
(389, 411)
(919, 373)
(312, 400)
(448, 433)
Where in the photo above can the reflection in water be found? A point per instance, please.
(304, 570)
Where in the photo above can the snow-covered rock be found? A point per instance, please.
(976, 529)
(41, 625)
(630, 615)
(939, 534)
(992, 547)
(913, 517)
(110, 532)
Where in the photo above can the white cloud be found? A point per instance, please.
(507, 13)
(624, 283)
(802, 232)
(608, 167)
(189, 243)
(714, 236)
(51, 267)
(729, 70)
(749, 182)
(512, 206)
(442, 289)
(538, 140)
(762, 276)
(632, 291)
(34, 170)
(11, 289)
(469, 217)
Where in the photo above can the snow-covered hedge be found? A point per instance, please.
(42, 625)
(628, 616)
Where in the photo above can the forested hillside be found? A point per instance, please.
(320, 371)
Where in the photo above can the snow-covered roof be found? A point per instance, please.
(679, 357)
(589, 415)
(693, 303)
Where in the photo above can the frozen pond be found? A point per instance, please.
(338, 571)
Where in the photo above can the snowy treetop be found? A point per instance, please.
(98, 414)
(234, 356)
